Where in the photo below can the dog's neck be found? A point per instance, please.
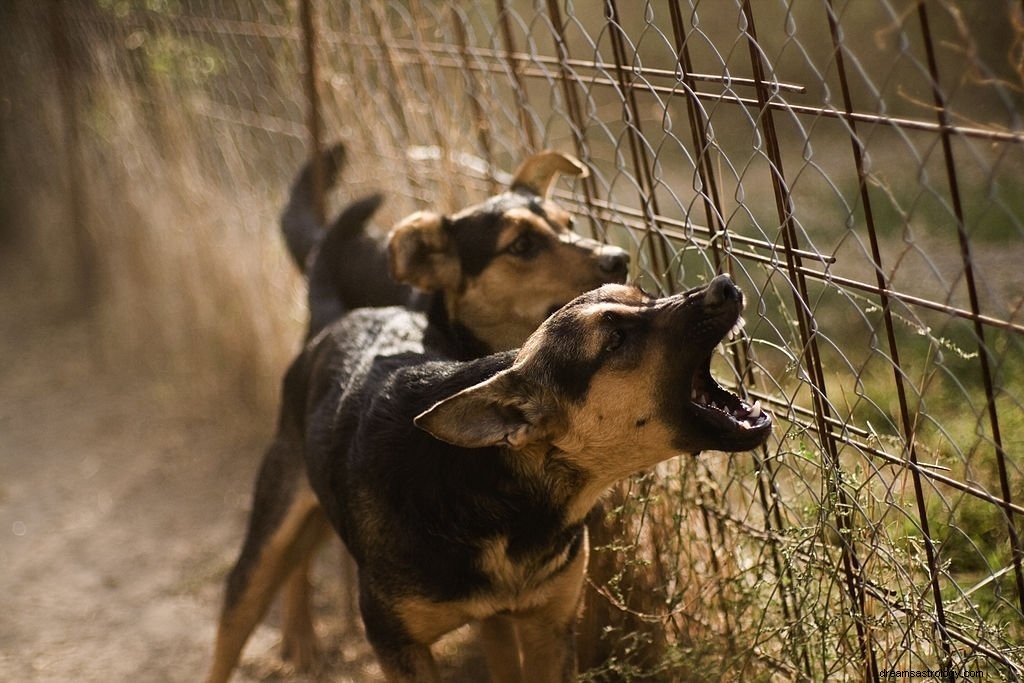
(451, 336)
(556, 473)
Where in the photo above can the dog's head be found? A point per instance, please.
(507, 263)
(613, 383)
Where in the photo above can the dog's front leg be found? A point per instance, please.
(402, 658)
(549, 650)
(501, 647)
(412, 663)
(547, 634)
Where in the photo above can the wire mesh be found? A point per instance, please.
(856, 166)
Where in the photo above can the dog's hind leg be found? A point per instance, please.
(285, 527)
(298, 637)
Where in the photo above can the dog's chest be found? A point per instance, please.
(516, 579)
(514, 586)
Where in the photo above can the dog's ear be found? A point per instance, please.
(540, 170)
(421, 254)
(500, 411)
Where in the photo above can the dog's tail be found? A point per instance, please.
(349, 268)
(303, 231)
(345, 266)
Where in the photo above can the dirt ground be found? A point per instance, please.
(122, 507)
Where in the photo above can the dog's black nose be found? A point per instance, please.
(720, 290)
(613, 261)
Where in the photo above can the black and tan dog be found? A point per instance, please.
(495, 269)
(461, 487)
(492, 273)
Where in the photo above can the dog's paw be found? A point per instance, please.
(299, 647)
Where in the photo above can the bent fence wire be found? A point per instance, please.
(856, 166)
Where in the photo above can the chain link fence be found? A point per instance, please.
(856, 166)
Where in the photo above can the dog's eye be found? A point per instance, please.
(522, 245)
(615, 339)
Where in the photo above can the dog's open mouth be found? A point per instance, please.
(722, 408)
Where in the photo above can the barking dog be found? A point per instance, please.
(461, 487)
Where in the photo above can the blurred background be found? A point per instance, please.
(857, 167)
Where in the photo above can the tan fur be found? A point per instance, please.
(509, 299)
(500, 643)
(597, 430)
(506, 302)
(298, 636)
(612, 384)
(500, 307)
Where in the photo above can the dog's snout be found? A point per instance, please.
(720, 290)
(613, 261)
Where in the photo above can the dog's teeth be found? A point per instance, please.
(693, 395)
(755, 411)
(738, 327)
(745, 424)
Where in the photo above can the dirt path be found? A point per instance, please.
(121, 508)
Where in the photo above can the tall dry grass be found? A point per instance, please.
(193, 284)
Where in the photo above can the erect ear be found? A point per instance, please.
(420, 252)
(538, 172)
(500, 411)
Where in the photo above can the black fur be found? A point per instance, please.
(348, 268)
(281, 472)
(476, 234)
(300, 225)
